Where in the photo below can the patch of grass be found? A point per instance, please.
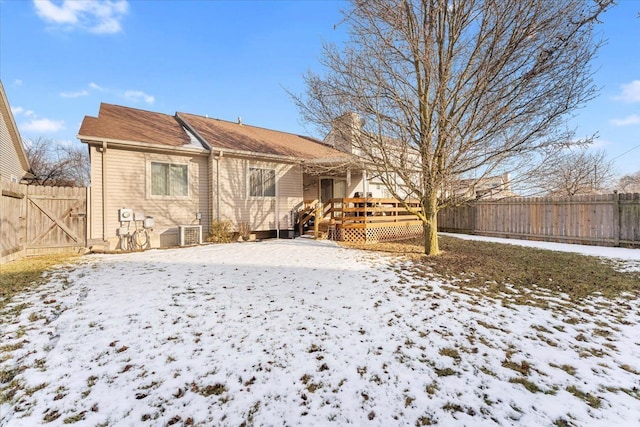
(589, 398)
(445, 372)
(494, 266)
(209, 390)
(633, 392)
(432, 388)
(450, 352)
(629, 369)
(426, 420)
(452, 407)
(523, 367)
(567, 368)
(7, 375)
(310, 385)
(26, 273)
(561, 422)
(530, 386)
(51, 415)
(75, 418)
(11, 347)
(34, 389)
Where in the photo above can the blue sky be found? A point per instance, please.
(224, 59)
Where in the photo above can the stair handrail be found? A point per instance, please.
(306, 213)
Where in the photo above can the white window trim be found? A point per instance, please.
(168, 162)
(248, 182)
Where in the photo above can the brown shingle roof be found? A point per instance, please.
(233, 136)
(130, 124)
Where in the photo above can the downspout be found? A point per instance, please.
(277, 208)
(217, 158)
(104, 191)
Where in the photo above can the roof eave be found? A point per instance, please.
(136, 144)
(268, 156)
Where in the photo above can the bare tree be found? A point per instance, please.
(57, 164)
(446, 90)
(577, 171)
(630, 183)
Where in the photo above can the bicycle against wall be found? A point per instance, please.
(134, 230)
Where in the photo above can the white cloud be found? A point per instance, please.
(17, 82)
(74, 94)
(94, 86)
(17, 111)
(138, 95)
(633, 119)
(42, 126)
(96, 16)
(630, 92)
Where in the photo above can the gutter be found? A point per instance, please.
(116, 143)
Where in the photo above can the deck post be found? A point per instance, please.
(316, 220)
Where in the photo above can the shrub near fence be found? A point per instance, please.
(602, 219)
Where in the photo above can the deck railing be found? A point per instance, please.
(371, 219)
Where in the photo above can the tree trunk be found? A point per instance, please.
(430, 205)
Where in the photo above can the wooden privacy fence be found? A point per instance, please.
(602, 219)
(37, 220)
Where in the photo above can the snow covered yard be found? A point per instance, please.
(298, 332)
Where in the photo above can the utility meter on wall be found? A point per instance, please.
(126, 215)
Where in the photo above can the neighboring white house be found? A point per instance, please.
(14, 165)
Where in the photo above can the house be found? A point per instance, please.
(491, 187)
(185, 169)
(14, 164)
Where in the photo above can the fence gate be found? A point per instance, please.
(56, 219)
(38, 220)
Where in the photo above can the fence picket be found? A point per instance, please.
(608, 219)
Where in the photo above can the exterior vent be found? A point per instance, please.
(189, 235)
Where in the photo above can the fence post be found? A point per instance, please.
(616, 218)
(474, 213)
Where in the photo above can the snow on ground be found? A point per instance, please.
(299, 332)
(628, 256)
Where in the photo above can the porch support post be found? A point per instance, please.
(316, 220)
(364, 182)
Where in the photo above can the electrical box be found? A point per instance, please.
(138, 216)
(126, 214)
(198, 216)
(149, 222)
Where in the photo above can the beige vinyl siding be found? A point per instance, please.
(260, 212)
(10, 164)
(289, 194)
(95, 225)
(128, 186)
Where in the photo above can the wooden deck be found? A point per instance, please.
(363, 220)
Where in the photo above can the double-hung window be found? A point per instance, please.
(169, 179)
(262, 182)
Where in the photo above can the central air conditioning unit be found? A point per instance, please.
(189, 235)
